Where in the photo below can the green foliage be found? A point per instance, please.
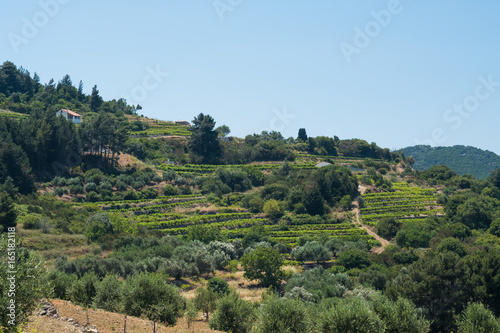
(223, 130)
(353, 259)
(218, 286)
(495, 227)
(191, 313)
(460, 230)
(470, 209)
(109, 294)
(312, 251)
(282, 315)
(60, 283)
(233, 314)
(205, 301)
(388, 228)
(478, 319)
(83, 290)
(400, 316)
(463, 160)
(203, 233)
(453, 245)
(27, 287)
(273, 209)
(302, 134)
(414, 235)
(150, 295)
(434, 279)
(8, 214)
(98, 227)
(352, 315)
(203, 143)
(263, 264)
(320, 283)
(495, 178)
(313, 202)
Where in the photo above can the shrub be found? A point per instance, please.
(354, 259)
(109, 294)
(312, 251)
(83, 290)
(121, 186)
(60, 283)
(170, 190)
(233, 314)
(98, 227)
(478, 319)
(218, 286)
(90, 187)
(452, 245)
(388, 228)
(76, 189)
(150, 295)
(282, 315)
(273, 209)
(352, 315)
(92, 197)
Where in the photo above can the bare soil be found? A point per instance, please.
(368, 229)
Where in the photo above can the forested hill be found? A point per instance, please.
(461, 159)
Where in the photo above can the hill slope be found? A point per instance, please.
(461, 159)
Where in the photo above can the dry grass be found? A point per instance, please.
(126, 161)
(48, 325)
(105, 322)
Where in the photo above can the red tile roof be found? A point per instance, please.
(68, 111)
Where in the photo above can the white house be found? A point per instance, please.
(70, 115)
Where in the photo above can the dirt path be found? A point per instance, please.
(383, 241)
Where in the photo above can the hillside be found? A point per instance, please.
(461, 159)
(170, 224)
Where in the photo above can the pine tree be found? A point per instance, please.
(204, 143)
(95, 100)
(302, 134)
(80, 94)
(8, 214)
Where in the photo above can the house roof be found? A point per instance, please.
(68, 111)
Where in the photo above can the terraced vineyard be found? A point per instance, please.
(407, 202)
(174, 215)
(163, 128)
(206, 168)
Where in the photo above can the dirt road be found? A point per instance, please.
(383, 241)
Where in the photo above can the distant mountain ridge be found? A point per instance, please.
(461, 159)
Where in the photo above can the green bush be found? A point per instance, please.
(170, 190)
(98, 227)
(353, 259)
(150, 295)
(233, 314)
(273, 209)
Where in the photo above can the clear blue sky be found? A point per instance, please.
(251, 60)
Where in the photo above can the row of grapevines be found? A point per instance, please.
(199, 219)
